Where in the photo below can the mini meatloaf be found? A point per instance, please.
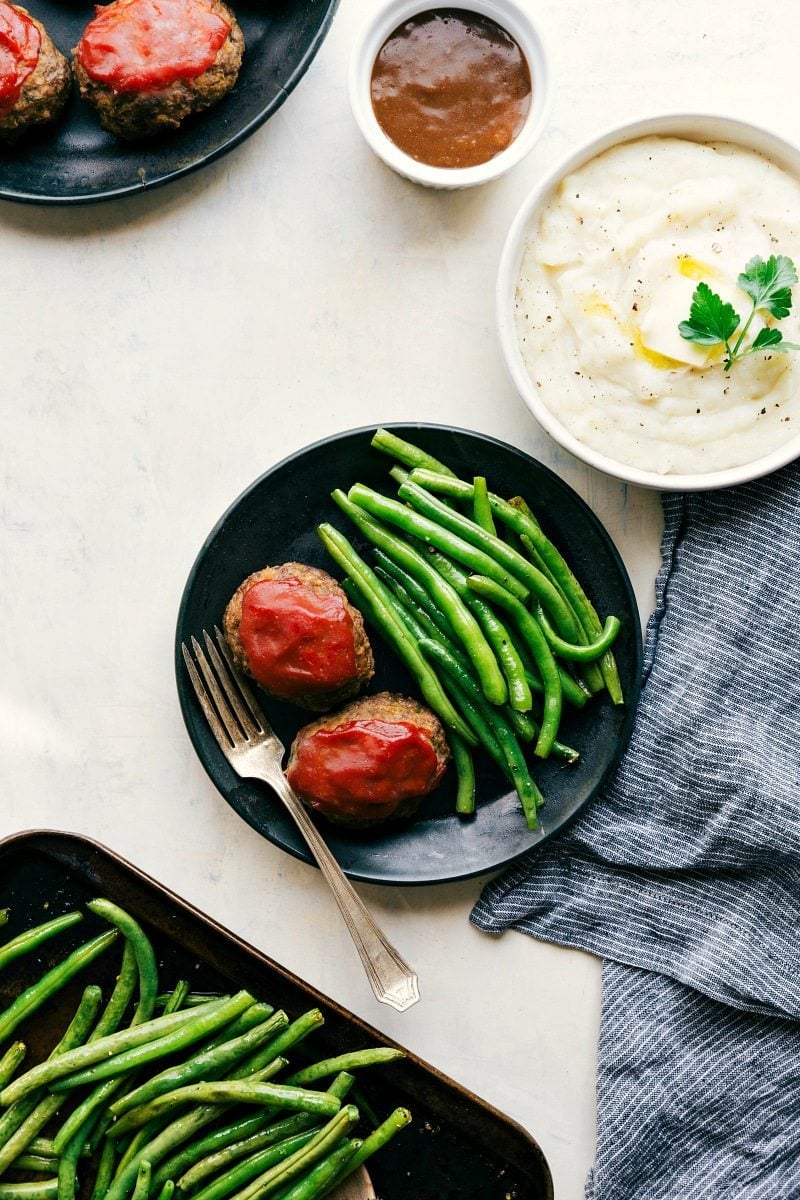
(293, 629)
(34, 74)
(375, 760)
(145, 65)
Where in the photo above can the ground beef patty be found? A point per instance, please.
(373, 761)
(145, 65)
(293, 629)
(34, 74)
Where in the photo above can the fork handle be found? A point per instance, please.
(392, 980)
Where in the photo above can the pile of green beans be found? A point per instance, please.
(482, 609)
(157, 1095)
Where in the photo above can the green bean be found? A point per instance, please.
(529, 794)
(422, 626)
(34, 1162)
(431, 532)
(203, 1065)
(252, 1016)
(567, 581)
(416, 592)
(406, 453)
(532, 633)
(106, 1088)
(151, 1126)
(590, 671)
(373, 599)
(185, 1127)
(47, 1189)
(224, 1158)
(519, 692)
(575, 693)
(108, 1023)
(192, 1000)
(143, 952)
(320, 1178)
(26, 1118)
(471, 704)
(379, 1137)
(199, 1023)
(272, 1095)
(481, 509)
(239, 1174)
(344, 1062)
(178, 1131)
(68, 1167)
(31, 938)
(3, 917)
(167, 1190)
(465, 775)
(105, 1170)
(582, 653)
(463, 622)
(46, 987)
(11, 1061)
(55, 1069)
(44, 1147)
(210, 1143)
(218, 1139)
(137, 1143)
(142, 1188)
(514, 564)
(298, 1164)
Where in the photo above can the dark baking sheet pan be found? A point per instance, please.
(458, 1147)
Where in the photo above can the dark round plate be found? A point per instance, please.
(275, 521)
(73, 161)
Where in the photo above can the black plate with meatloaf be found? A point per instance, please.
(75, 161)
(275, 521)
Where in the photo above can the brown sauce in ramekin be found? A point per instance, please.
(451, 88)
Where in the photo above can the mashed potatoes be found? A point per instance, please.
(608, 275)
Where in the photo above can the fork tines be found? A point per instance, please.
(230, 707)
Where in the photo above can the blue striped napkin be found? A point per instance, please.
(685, 875)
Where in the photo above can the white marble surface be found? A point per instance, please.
(159, 353)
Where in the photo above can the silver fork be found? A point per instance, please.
(254, 751)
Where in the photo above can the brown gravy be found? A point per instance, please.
(451, 88)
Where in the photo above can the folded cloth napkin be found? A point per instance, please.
(685, 874)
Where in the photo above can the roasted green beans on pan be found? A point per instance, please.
(152, 1095)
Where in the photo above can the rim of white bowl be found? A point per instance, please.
(511, 17)
(697, 127)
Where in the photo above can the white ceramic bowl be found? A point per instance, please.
(693, 127)
(506, 13)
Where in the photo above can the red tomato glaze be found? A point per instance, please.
(297, 641)
(364, 768)
(20, 42)
(142, 45)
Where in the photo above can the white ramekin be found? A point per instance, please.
(506, 13)
(694, 127)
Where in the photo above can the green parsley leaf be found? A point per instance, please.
(766, 337)
(769, 284)
(711, 322)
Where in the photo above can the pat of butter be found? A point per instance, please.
(668, 281)
(659, 320)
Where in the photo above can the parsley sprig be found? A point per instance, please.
(713, 322)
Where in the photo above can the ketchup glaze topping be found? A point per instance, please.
(20, 42)
(364, 768)
(451, 88)
(297, 641)
(142, 45)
